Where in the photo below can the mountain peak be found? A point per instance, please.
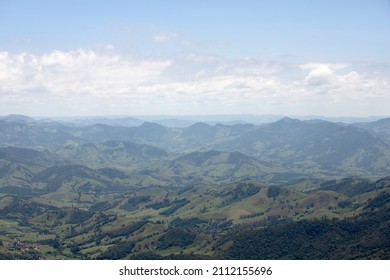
(151, 125)
(151, 129)
(200, 125)
(200, 130)
(288, 120)
(17, 118)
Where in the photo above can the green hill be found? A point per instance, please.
(289, 189)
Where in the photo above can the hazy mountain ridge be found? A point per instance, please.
(289, 142)
(380, 127)
(100, 191)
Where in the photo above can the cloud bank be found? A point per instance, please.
(88, 82)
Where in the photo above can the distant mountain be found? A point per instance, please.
(380, 128)
(327, 145)
(150, 131)
(214, 119)
(16, 118)
(114, 153)
(35, 135)
(172, 122)
(200, 131)
(113, 121)
(146, 133)
(216, 166)
(321, 146)
(51, 134)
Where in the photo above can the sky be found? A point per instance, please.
(283, 57)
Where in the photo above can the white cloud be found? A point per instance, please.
(339, 81)
(321, 74)
(89, 82)
(164, 37)
(79, 71)
(109, 47)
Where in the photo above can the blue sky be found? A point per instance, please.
(195, 57)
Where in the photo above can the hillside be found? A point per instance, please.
(205, 191)
(380, 128)
(322, 146)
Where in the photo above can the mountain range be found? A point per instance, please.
(354, 149)
(103, 190)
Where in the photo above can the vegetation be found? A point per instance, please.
(365, 237)
(175, 237)
(284, 190)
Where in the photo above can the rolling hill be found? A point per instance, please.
(289, 189)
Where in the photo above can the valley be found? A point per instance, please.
(286, 189)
